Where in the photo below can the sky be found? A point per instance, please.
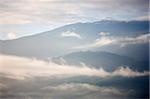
(27, 17)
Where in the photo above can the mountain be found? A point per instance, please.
(60, 45)
(54, 43)
(106, 60)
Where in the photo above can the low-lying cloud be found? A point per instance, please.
(20, 68)
(64, 91)
(103, 33)
(70, 34)
(83, 88)
(105, 40)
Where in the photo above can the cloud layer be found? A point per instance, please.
(63, 91)
(20, 68)
(105, 40)
(16, 11)
(29, 78)
(83, 88)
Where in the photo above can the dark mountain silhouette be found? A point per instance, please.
(106, 60)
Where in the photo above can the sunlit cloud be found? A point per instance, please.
(70, 34)
(134, 40)
(20, 68)
(127, 72)
(11, 35)
(121, 41)
(103, 33)
(103, 41)
(143, 18)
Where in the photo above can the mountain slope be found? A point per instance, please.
(106, 60)
(52, 43)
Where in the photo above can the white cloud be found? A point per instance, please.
(103, 33)
(121, 41)
(82, 88)
(127, 72)
(20, 68)
(70, 34)
(134, 40)
(11, 35)
(143, 18)
(97, 43)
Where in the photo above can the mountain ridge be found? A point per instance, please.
(52, 43)
(100, 59)
(83, 23)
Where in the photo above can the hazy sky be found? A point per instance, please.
(26, 17)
